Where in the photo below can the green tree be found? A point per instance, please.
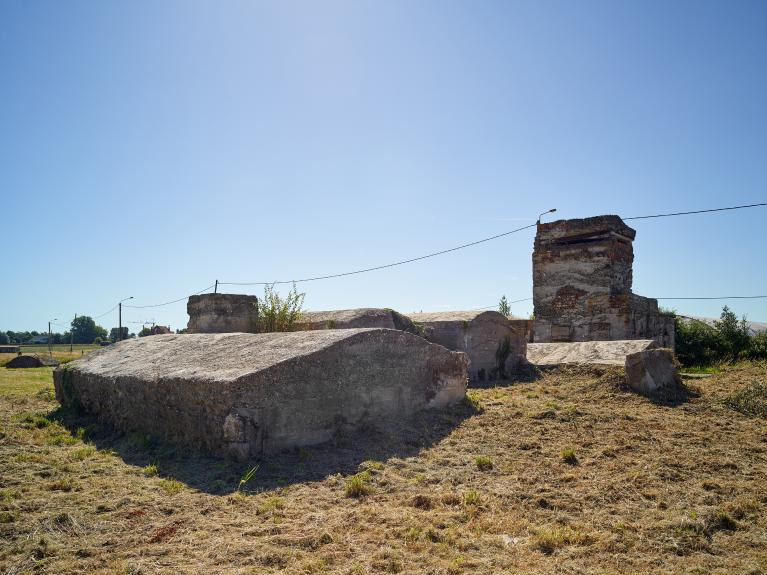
(697, 343)
(278, 314)
(85, 330)
(4, 339)
(115, 332)
(503, 306)
(734, 334)
(145, 331)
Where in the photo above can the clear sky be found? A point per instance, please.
(149, 148)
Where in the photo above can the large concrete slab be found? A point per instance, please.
(354, 318)
(479, 335)
(589, 352)
(246, 394)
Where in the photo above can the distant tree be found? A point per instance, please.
(114, 333)
(85, 330)
(697, 343)
(181, 330)
(503, 306)
(145, 331)
(4, 339)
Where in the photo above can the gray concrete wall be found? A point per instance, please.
(222, 313)
(479, 335)
(245, 394)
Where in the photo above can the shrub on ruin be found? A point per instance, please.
(503, 306)
(276, 313)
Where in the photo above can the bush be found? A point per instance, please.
(729, 339)
(278, 314)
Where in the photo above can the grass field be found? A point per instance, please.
(59, 352)
(569, 474)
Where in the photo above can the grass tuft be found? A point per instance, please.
(569, 457)
(358, 485)
(483, 463)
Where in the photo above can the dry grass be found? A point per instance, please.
(657, 488)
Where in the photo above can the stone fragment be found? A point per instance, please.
(242, 395)
(496, 347)
(651, 371)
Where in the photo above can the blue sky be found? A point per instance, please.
(149, 148)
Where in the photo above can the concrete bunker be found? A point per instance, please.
(29, 361)
(242, 395)
(222, 313)
(495, 345)
(355, 318)
(582, 277)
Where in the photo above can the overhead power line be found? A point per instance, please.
(391, 265)
(719, 297)
(169, 302)
(695, 212)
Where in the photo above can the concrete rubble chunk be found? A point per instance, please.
(479, 335)
(242, 395)
(651, 371)
(222, 313)
(586, 352)
(353, 318)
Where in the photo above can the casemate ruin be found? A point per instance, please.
(582, 276)
(242, 395)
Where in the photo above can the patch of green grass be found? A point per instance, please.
(171, 486)
(8, 495)
(371, 465)
(7, 517)
(83, 453)
(270, 505)
(483, 463)
(34, 420)
(569, 457)
(150, 470)
(472, 498)
(701, 369)
(549, 540)
(472, 398)
(358, 485)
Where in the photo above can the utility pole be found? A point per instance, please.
(50, 350)
(215, 289)
(120, 318)
(71, 334)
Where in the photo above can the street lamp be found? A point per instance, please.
(544, 213)
(120, 318)
(50, 351)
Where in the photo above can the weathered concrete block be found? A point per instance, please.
(588, 352)
(354, 318)
(222, 313)
(651, 371)
(246, 394)
(481, 336)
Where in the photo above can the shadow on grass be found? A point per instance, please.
(343, 454)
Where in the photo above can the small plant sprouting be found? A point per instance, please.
(472, 498)
(150, 470)
(246, 477)
(171, 486)
(569, 457)
(483, 463)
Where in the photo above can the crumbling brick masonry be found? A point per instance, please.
(582, 276)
